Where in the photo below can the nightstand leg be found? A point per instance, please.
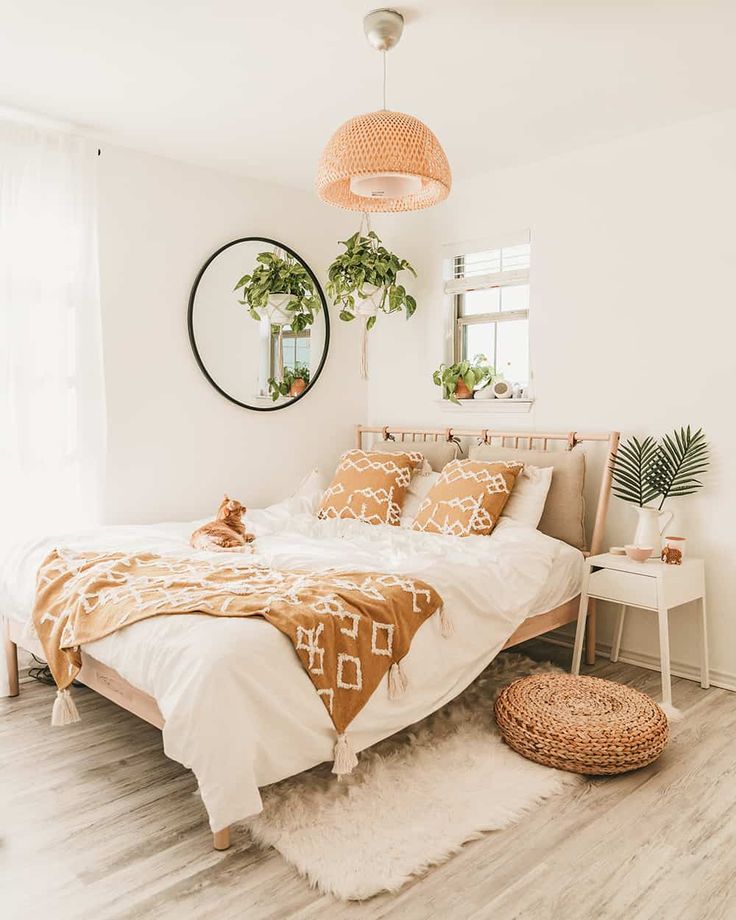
(590, 625)
(664, 656)
(618, 632)
(704, 668)
(577, 652)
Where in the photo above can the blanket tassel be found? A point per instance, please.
(397, 682)
(345, 759)
(64, 711)
(445, 624)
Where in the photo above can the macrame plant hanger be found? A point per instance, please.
(365, 221)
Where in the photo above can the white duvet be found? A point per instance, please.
(240, 710)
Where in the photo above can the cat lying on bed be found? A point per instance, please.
(226, 532)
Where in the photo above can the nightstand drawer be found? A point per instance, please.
(624, 587)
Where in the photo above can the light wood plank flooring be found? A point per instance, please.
(99, 824)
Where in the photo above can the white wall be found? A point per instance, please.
(633, 298)
(175, 445)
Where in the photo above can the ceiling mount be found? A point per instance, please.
(383, 28)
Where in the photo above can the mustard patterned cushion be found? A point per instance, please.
(369, 486)
(468, 498)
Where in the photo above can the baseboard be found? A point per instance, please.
(650, 662)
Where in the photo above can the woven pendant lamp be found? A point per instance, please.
(384, 160)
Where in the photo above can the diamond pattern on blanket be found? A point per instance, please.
(347, 628)
(468, 498)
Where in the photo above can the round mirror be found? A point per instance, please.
(258, 324)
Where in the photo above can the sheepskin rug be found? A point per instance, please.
(414, 799)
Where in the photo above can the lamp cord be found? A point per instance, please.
(384, 80)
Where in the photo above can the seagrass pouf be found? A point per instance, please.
(581, 724)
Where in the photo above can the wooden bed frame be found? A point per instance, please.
(108, 683)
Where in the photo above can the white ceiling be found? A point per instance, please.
(257, 88)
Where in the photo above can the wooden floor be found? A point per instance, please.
(97, 823)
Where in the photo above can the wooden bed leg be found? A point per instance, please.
(11, 662)
(221, 839)
(590, 634)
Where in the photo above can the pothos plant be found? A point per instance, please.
(275, 274)
(366, 264)
(283, 386)
(474, 374)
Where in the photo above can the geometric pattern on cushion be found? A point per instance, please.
(564, 511)
(369, 486)
(468, 498)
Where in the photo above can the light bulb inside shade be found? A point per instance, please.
(385, 185)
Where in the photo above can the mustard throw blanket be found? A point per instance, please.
(347, 628)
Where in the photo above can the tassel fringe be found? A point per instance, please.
(397, 682)
(64, 711)
(446, 629)
(345, 759)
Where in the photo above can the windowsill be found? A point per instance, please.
(479, 406)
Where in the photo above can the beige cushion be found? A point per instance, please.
(437, 453)
(564, 510)
(467, 499)
(369, 486)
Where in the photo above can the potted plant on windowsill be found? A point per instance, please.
(364, 280)
(280, 289)
(293, 382)
(462, 379)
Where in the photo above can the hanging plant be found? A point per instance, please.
(364, 280)
(281, 289)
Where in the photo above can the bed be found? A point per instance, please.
(241, 713)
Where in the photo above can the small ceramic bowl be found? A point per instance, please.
(638, 553)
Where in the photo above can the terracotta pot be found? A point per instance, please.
(297, 387)
(461, 390)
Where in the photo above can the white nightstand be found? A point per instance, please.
(650, 585)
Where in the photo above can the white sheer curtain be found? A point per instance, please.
(52, 415)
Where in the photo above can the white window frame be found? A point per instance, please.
(455, 288)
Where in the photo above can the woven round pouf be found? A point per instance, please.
(581, 724)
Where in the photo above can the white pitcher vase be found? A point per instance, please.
(650, 528)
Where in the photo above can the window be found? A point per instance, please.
(489, 294)
(295, 349)
(52, 405)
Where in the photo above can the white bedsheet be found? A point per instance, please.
(240, 710)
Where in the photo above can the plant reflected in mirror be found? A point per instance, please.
(260, 338)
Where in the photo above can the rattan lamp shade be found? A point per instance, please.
(383, 142)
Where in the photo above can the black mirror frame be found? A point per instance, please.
(193, 343)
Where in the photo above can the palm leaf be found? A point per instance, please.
(681, 457)
(630, 466)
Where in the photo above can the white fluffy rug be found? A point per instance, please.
(414, 799)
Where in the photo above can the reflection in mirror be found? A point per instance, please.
(258, 323)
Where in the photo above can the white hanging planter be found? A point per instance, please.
(368, 304)
(275, 311)
(366, 307)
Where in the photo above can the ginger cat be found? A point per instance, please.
(226, 532)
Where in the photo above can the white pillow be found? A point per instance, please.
(309, 491)
(529, 494)
(421, 482)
